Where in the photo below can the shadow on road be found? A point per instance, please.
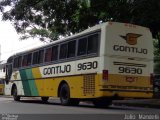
(82, 104)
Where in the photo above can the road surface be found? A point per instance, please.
(34, 106)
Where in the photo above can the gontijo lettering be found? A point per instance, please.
(129, 49)
(57, 70)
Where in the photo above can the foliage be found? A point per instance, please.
(48, 19)
(157, 56)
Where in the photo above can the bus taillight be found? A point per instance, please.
(105, 74)
(151, 79)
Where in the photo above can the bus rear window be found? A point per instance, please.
(92, 44)
(88, 45)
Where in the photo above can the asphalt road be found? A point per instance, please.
(29, 106)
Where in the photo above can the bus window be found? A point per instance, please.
(71, 49)
(63, 51)
(17, 62)
(41, 56)
(55, 53)
(92, 44)
(82, 46)
(38, 57)
(27, 59)
(48, 54)
(24, 62)
(35, 58)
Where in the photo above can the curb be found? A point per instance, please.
(150, 103)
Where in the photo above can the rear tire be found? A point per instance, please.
(44, 99)
(15, 96)
(65, 96)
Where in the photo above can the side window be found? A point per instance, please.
(35, 58)
(27, 59)
(92, 44)
(55, 53)
(24, 61)
(38, 57)
(71, 49)
(48, 54)
(17, 62)
(82, 46)
(63, 51)
(41, 56)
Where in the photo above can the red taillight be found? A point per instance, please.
(105, 74)
(151, 79)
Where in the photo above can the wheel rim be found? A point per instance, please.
(64, 94)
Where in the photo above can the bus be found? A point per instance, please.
(2, 77)
(1, 86)
(102, 63)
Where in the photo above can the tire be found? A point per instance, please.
(44, 99)
(102, 103)
(15, 96)
(65, 96)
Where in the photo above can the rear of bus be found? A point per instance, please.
(128, 61)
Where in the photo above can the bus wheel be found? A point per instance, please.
(65, 94)
(44, 99)
(15, 96)
(102, 103)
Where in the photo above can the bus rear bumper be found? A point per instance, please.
(127, 94)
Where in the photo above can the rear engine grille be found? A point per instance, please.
(89, 84)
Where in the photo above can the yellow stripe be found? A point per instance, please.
(39, 83)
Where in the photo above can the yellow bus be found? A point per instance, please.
(108, 61)
(1, 86)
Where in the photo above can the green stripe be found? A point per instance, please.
(25, 83)
(32, 84)
(30, 88)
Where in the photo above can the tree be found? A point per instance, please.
(48, 19)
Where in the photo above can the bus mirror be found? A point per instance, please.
(6, 81)
(4, 69)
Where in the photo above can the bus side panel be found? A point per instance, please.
(39, 82)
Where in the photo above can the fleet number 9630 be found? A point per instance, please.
(130, 70)
(87, 65)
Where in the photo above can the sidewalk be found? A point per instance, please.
(151, 103)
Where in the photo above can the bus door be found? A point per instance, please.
(8, 72)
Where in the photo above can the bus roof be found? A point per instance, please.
(89, 30)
